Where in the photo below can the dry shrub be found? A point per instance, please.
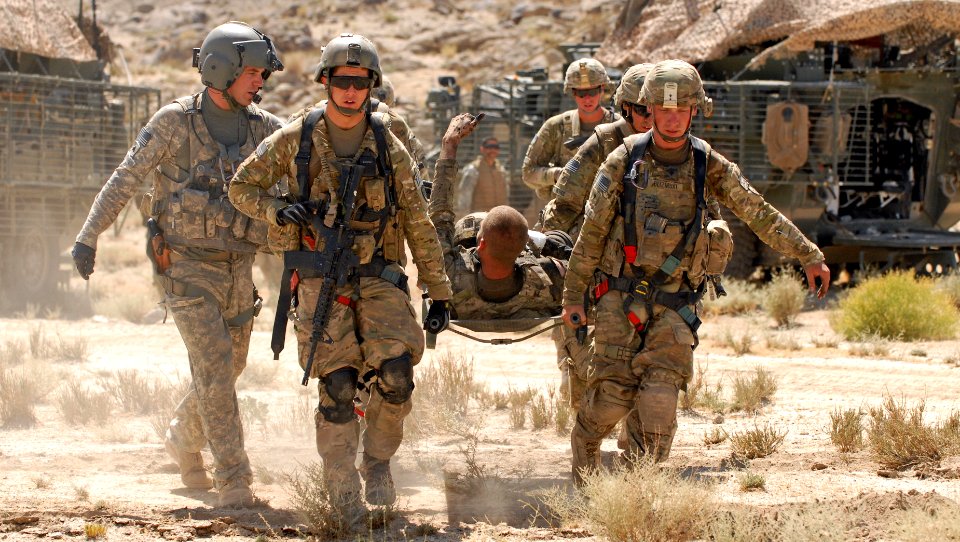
(296, 415)
(518, 416)
(870, 346)
(442, 394)
(310, 498)
(825, 341)
(752, 481)
(501, 400)
(253, 412)
(40, 347)
(714, 436)
(899, 438)
(740, 342)
(757, 442)
(81, 493)
(70, 348)
(820, 522)
(128, 297)
(259, 373)
(897, 306)
(783, 341)
(79, 405)
(846, 430)
(742, 297)
(168, 395)
(700, 395)
(926, 525)
(20, 390)
(642, 502)
(94, 530)
(752, 392)
(137, 395)
(783, 298)
(541, 412)
(12, 353)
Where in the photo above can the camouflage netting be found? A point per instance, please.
(698, 31)
(43, 28)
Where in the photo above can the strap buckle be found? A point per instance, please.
(641, 288)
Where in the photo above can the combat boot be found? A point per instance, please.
(377, 480)
(192, 473)
(236, 494)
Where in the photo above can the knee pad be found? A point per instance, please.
(395, 379)
(657, 407)
(341, 387)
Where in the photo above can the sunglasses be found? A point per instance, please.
(638, 109)
(584, 92)
(346, 81)
(494, 146)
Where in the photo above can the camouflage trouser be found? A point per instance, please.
(573, 359)
(626, 377)
(211, 303)
(381, 327)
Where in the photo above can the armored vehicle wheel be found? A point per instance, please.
(31, 268)
(743, 262)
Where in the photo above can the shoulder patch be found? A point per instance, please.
(143, 138)
(263, 148)
(602, 182)
(572, 166)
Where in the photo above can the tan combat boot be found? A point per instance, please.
(377, 481)
(192, 473)
(236, 494)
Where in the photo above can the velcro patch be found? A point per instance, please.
(670, 95)
(745, 184)
(263, 148)
(143, 138)
(572, 166)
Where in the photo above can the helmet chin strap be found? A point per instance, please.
(346, 111)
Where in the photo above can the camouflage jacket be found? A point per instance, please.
(542, 277)
(482, 187)
(190, 204)
(274, 158)
(565, 210)
(547, 153)
(666, 203)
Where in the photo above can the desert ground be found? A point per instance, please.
(56, 477)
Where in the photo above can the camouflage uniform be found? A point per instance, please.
(565, 211)
(547, 154)
(539, 296)
(647, 372)
(379, 326)
(482, 187)
(209, 285)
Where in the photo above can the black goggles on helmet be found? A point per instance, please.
(638, 109)
(584, 92)
(346, 81)
(259, 54)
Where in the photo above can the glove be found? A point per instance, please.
(438, 317)
(558, 245)
(298, 213)
(83, 257)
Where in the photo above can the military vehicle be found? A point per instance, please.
(515, 108)
(64, 127)
(846, 119)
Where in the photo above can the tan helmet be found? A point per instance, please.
(385, 93)
(630, 85)
(466, 229)
(350, 50)
(675, 83)
(585, 73)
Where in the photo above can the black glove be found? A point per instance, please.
(438, 317)
(298, 213)
(558, 245)
(83, 257)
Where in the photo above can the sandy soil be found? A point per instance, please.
(54, 477)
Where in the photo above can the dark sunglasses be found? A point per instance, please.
(493, 146)
(346, 81)
(584, 92)
(638, 109)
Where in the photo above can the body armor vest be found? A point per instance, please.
(611, 136)
(539, 295)
(191, 206)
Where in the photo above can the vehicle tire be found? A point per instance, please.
(31, 269)
(743, 262)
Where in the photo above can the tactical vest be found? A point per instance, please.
(375, 217)
(192, 207)
(491, 188)
(611, 136)
(570, 123)
(536, 297)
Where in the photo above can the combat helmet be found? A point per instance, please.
(350, 50)
(385, 93)
(231, 47)
(630, 85)
(466, 229)
(675, 83)
(585, 73)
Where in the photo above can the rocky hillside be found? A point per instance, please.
(475, 40)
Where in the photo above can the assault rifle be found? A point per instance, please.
(335, 262)
(574, 143)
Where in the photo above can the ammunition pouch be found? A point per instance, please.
(712, 252)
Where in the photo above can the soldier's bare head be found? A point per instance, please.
(502, 235)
